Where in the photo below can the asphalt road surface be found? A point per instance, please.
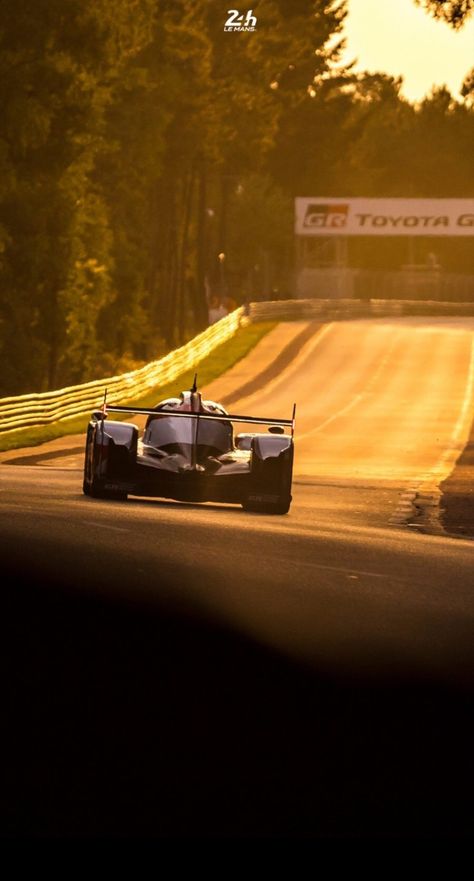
(197, 671)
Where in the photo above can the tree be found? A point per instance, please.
(454, 12)
(58, 68)
(140, 141)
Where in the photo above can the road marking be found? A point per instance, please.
(308, 348)
(348, 572)
(426, 488)
(356, 399)
(106, 526)
(460, 435)
(349, 406)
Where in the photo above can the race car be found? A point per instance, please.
(188, 452)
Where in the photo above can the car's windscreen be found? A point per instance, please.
(165, 431)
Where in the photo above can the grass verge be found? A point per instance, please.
(220, 360)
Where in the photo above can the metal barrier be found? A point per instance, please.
(295, 310)
(42, 409)
(340, 310)
(24, 411)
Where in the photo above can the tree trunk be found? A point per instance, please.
(183, 252)
(199, 288)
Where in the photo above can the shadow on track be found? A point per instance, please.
(128, 720)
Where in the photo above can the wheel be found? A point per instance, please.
(100, 493)
(280, 507)
(270, 477)
(88, 463)
(273, 494)
(91, 485)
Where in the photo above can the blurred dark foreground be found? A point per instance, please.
(125, 720)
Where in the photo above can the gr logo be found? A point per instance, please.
(326, 216)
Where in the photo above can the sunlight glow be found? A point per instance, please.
(401, 39)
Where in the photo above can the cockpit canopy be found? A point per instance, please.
(171, 434)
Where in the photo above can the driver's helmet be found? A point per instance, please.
(216, 434)
(167, 405)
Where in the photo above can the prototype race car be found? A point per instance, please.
(188, 453)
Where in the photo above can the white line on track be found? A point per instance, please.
(349, 406)
(460, 435)
(106, 526)
(357, 398)
(426, 488)
(343, 570)
(283, 377)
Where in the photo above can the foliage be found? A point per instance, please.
(454, 12)
(217, 362)
(140, 142)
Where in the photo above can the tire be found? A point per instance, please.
(88, 465)
(97, 492)
(91, 486)
(282, 490)
(280, 507)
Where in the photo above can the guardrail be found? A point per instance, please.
(341, 309)
(25, 411)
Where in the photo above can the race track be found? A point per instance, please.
(350, 587)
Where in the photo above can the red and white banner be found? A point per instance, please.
(320, 216)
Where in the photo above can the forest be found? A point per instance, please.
(149, 162)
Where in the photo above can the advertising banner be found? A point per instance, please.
(320, 216)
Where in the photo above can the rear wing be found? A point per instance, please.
(228, 417)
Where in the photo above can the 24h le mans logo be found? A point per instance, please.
(236, 22)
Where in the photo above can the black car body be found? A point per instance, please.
(188, 452)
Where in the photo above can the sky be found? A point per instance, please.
(399, 38)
